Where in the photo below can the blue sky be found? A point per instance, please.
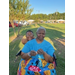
(47, 6)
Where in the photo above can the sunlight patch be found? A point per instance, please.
(21, 45)
(50, 41)
(24, 37)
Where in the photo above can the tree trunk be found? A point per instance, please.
(13, 27)
(19, 28)
(36, 25)
(14, 32)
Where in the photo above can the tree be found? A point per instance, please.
(11, 14)
(19, 10)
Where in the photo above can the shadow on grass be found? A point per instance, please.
(13, 49)
(51, 34)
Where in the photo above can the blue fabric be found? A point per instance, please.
(33, 45)
(42, 64)
(47, 67)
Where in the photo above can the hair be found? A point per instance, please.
(29, 31)
(41, 28)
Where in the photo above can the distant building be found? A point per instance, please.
(41, 21)
(50, 21)
(30, 21)
(60, 21)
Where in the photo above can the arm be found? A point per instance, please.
(47, 57)
(25, 56)
(50, 52)
(24, 41)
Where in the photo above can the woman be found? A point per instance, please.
(37, 56)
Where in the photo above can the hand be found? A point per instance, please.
(33, 53)
(40, 51)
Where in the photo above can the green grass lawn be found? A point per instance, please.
(53, 32)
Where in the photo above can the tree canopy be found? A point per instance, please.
(19, 9)
(53, 16)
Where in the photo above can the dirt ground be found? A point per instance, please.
(60, 47)
(13, 38)
(58, 41)
(62, 41)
